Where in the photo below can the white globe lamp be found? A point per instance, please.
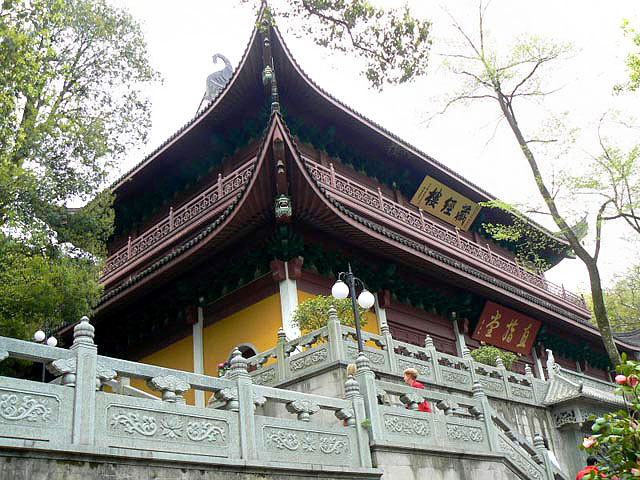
(340, 290)
(52, 341)
(39, 336)
(366, 300)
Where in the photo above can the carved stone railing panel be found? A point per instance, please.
(412, 218)
(312, 358)
(177, 220)
(146, 425)
(33, 412)
(283, 440)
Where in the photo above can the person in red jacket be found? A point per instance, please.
(591, 467)
(410, 378)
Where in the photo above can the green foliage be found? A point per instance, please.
(394, 45)
(312, 313)
(489, 355)
(70, 78)
(623, 300)
(42, 286)
(71, 73)
(531, 244)
(632, 61)
(615, 439)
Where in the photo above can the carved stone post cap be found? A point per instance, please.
(428, 342)
(499, 363)
(538, 441)
(238, 364)
(351, 387)
(363, 363)
(466, 353)
(527, 371)
(83, 332)
(333, 314)
(282, 336)
(478, 391)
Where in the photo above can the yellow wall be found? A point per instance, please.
(372, 323)
(257, 324)
(178, 355)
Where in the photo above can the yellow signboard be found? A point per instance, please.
(440, 201)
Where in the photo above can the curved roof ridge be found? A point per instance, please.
(196, 237)
(556, 235)
(201, 114)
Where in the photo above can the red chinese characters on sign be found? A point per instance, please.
(505, 328)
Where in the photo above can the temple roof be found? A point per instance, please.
(299, 96)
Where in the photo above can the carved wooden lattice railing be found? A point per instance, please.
(416, 220)
(212, 199)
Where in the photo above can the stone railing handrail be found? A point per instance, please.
(335, 344)
(77, 415)
(590, 381)
(211, 199)
(414, 219)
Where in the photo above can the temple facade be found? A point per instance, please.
(272, 189)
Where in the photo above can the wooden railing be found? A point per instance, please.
(416, 220)
(209, 200)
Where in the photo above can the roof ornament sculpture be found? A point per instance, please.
(217, 80)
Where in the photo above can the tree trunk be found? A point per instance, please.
(599, 309)
(600, 312)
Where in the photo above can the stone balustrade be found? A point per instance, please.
(75, 413)
(263, 425)
(336, 343)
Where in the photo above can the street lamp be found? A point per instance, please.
(341, 290)
(41, 337)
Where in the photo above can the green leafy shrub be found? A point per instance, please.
(488, 355)
(313, 313)
(616, 437)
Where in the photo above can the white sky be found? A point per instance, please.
(182, 37)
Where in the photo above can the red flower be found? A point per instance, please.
(621, 379)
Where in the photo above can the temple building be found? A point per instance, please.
(256, 205)
(274, 187)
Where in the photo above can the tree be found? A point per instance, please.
(506, 81)
(312, 314)
(394, 44)
(633, 61)
(71, 73)
(623, 300)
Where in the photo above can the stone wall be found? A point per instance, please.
(33, 465)
(408, 465)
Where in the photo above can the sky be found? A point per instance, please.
(182, 37)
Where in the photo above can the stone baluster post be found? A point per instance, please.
(391, 354)
(334, 331)
(281, 355)
(84, 404)
(531, 378)
(543, 456)
(367, 381)
(430, 347)
(352, 393)
(246, 419)
(504, 373)
(172, 388)
(492, 431)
